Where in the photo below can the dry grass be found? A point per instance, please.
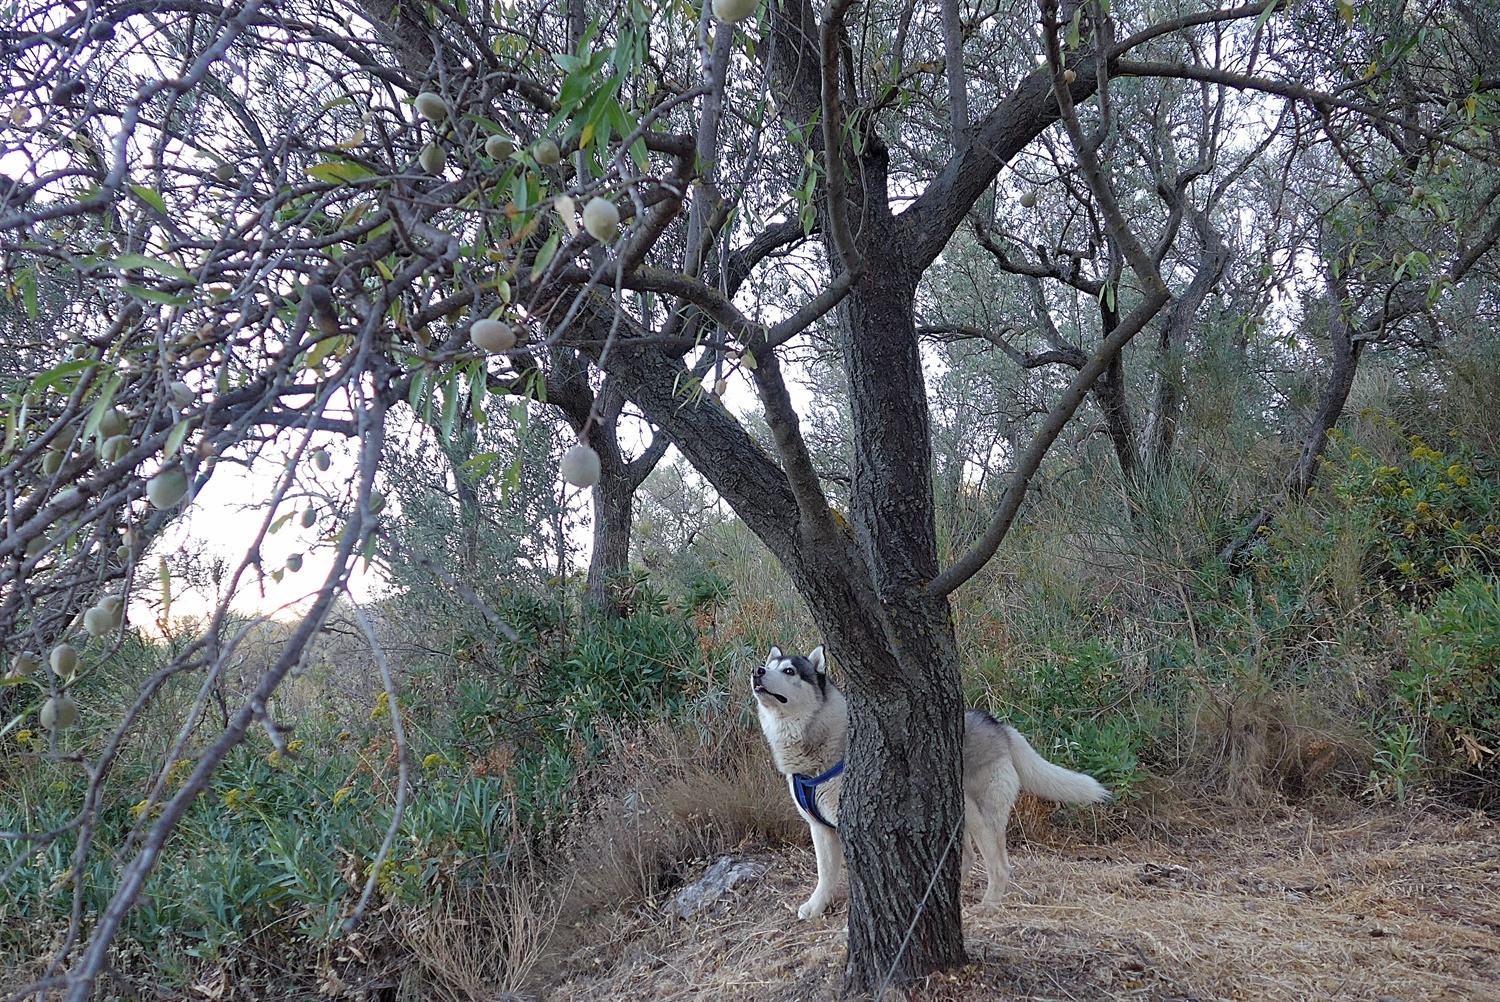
(480, 943)
(1252, 745)
(1281, 904)
(668, 800)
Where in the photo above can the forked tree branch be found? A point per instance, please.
(1031, 460)
(829, 33)
(1088, 161)
(1321, 100)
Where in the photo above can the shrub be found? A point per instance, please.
(270, 860)
(1452, 678)
(1073, 701)
(1432, 518)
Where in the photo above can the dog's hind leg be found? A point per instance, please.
(829, 851)
(989, 824)
(966, 862)
(991, 844)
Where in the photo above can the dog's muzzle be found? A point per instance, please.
(761, 690)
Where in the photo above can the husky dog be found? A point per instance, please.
(805, 720)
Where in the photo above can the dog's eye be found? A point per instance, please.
(789, 670)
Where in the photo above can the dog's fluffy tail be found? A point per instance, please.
(1053, 782)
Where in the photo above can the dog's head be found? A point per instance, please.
(787, 683)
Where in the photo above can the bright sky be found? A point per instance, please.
(224, 519)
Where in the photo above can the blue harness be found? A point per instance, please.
(805, 792)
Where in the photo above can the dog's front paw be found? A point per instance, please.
(812, 907)
(994, 895)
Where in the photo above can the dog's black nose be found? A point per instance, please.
(758, 672)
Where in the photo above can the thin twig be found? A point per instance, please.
(403, 770)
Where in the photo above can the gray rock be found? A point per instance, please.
(721, 877)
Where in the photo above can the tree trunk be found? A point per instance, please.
(1109, 393)
(1166, 410)
(901, 808)
(458, 449)
(1344, 364)
(902, 800)
(569, 390)
(614, 507)
(868, 589)
(614, 501)
(1109, 388)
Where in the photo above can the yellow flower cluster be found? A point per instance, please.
(236, 798)
(275, 759)
(180, 771)
(1423, 454)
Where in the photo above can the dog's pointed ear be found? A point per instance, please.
(775, 654)
(816, 659)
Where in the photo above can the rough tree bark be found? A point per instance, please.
(1166, 408)
(1343, 363)
(917, 708)
(1110, 390)
(614, 503)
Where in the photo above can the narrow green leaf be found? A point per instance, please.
(481, 465)
(15, 721)
(160, 296)
(130, 262)
(1265, 15)
(150, 197)
(419, 388)
(58, 375)
(12, 430)
(164, 572)
(28, 292)
(478, 388)
(176, 437)
(544, 256)
(450, 406)
(340, 172)
(326, 348)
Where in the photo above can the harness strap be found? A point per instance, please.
(805, 792)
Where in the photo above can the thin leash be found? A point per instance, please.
(921, 906)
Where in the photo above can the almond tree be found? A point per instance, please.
(283, 219)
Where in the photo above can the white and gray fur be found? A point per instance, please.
(805, 721)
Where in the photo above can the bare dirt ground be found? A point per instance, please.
(1294, 904)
